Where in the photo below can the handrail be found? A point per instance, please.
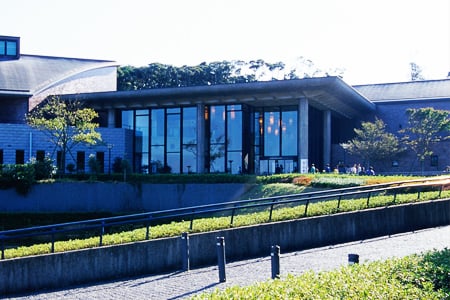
(201, 210)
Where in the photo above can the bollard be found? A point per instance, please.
(221, 258)
(353, 259)
(275, 259)
(185, 251)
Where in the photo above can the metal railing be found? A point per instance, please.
(63, 230)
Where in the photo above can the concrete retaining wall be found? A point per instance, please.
(163, 255)
(116, 197)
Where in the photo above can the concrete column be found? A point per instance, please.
(326, 137)
(303, 138)
(111, 118)
(201, 137)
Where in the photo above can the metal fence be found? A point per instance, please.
(62, 231)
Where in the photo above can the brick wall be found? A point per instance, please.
(22, 137)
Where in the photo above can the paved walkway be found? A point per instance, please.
(181, 285)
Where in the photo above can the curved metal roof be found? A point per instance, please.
(31, 74)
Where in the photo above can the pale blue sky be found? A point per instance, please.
(373, 40)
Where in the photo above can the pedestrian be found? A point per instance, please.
(313, 169)
(370, 171)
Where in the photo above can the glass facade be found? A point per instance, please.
(225, 139)
(165, 139)
(277, 128)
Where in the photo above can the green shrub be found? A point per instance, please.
(424, 276)
(338, 181)
(20, 177)
(43, 169)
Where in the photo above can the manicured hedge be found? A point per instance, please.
(424, 276)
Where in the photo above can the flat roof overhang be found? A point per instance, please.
(15, 93)
(324, 93)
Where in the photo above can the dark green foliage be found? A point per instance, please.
(373, 143)
(426, 127)
(43, 169)
(10, 221)
(433, 267)
(117, 165)
(20, 177)
(157, 75)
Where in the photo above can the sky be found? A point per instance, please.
(372, 41)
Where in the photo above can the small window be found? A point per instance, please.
(59, 162)
(434, 160)
(9, 47)
(100, 156)
(40, 155)
(20, 157)
(81, 161)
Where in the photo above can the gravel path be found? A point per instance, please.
(182, 285)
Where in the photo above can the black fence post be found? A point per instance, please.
(275, 260)
(185, 251)
(221, 258)
(3, 248)
(353, 259)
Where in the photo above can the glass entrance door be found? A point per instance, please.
(277, 166)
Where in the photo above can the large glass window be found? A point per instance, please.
(141, 145)
(225, 143)
(173, 133)
(234, 129)
(279, 130)
(158, 127)
(289, 133)
(128, 119)
(190, 139)
(173, 140)
(272, 133)
(217, 139)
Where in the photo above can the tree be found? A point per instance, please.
(66, 123)
(416, 72)
(426, 126)
(158, 75)
(373, 143)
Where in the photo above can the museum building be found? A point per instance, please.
(258, 128)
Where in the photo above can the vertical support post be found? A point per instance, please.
(185, 251)
(275, 261)
(147, 229)
(221, 258)
(368, 198)
(3, 248)
(202, 118)
(303, 139)
(102, 231)
(353, 259)
(326, 137)
(53, 241)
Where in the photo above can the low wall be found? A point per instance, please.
(117, 197)
(163, 255)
